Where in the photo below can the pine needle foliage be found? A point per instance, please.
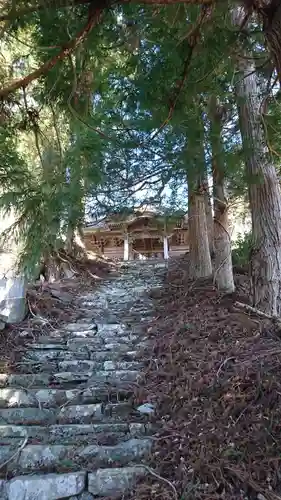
(121, 120)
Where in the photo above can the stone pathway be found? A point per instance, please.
(67, 429)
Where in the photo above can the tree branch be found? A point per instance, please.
(192, 38)
(14, 14)
(93, 19)
(172, 2)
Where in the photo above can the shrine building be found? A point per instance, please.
(139, 235)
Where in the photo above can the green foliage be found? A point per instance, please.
(45, 201)
(12, 165)
(272, 125)
(120, 122)
(242, 252)
(37, 206)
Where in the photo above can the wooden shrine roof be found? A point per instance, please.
(120, 222)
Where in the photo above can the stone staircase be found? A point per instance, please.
(67, 427)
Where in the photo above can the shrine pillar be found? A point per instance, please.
(165, 247)
(126, 246)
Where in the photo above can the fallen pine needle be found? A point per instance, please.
(153, 473)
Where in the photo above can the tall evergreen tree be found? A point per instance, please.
(222, 237)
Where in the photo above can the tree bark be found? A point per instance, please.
(199, 249)
(222, 240)
(270, 13)
(199, 252)
(264, 194)
(198, 178)
(209, 213)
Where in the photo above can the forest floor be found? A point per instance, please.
(213, 372)
(216, 386)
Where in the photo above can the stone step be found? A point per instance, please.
(85, 365)
(94, 378)
(116, 375)
(125, 339)
(114, 482)
(56, 339)
(24, 380)
(103, 483)
(108, 339)
(85, 334)
(107, 433)
(45, 457)
(94, 366)
(122, 365)
(69, 406)
(111, 329)
(80, 414)
(81, 352)
(49, 398)
(29, 366)
(79, 366)
(69, 414)
(54, 355)
(27, 416)
(79, 345)
(65, 378)
(131, 338)
(47, 346)
(117, 347)
(142, 313)
(44, 487)
(80, 327)
(99, 315)
(115, 355)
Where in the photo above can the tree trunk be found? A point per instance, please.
(264, 194)
(198, 173)
(209, 213)
(198, 197)
(74, 244)
(222, 241)
(199, 252)
(69, 239)
(51, 268)
(271, 16)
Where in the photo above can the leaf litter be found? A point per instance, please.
(214, 376)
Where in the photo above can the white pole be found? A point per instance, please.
(166, 247)
(126, 246)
